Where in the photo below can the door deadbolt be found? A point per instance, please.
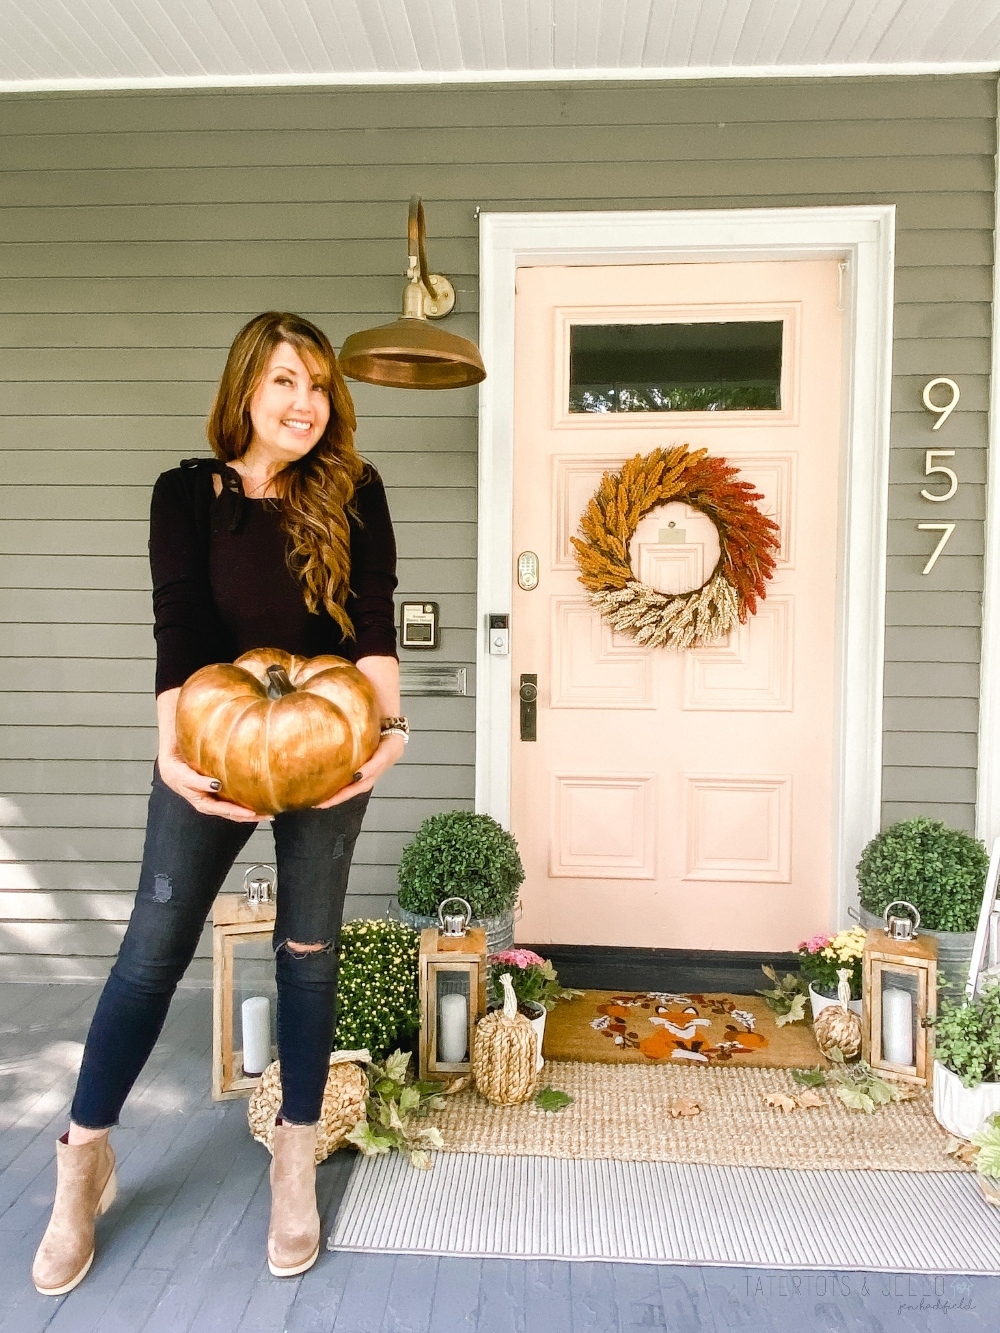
(527, 570)
(528, 694)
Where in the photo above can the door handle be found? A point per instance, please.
(528, 694)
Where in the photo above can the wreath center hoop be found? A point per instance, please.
(747, 542)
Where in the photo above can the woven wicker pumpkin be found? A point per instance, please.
(504, 1053)
(343, 1102)
(837, 1025)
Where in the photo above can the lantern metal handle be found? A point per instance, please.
(447, 928)
(900, 902)
(252, 888)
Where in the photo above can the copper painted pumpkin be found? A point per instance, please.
(279, 732)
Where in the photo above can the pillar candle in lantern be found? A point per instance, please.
(256, 1014)
(453, 1028)
(897, 1026)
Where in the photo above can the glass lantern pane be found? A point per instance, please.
(732, 366)
(453, 996)
(254, 1005)
(899, 1018)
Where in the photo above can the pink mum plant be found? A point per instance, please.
(533, 978)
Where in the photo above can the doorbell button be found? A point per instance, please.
(499, 635)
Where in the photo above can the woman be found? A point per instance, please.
(285, 541)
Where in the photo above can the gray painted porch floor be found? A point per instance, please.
(183, 1248)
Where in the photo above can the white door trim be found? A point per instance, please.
(864, 237)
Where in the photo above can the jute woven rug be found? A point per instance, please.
(655, 1027)
(623, 1113)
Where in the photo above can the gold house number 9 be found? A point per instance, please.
(932, 469)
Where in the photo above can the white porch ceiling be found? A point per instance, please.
(135, 42)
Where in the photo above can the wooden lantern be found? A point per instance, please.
(242, 927)
(899, 993)
(452, 993)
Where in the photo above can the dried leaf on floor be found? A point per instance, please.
(457, 1085)
(683, 1106)
(808, 1098)
(960, 1150)
(779, 1101)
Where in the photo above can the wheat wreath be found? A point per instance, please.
(747, 540)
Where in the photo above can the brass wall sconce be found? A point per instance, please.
(410, 353)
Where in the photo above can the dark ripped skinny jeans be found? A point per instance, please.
(185, 860)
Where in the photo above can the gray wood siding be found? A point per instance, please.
(138, 231)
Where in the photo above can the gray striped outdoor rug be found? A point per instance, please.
(664, 1212)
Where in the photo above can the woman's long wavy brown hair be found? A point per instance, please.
(316, 491)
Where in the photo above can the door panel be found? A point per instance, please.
(677, 799)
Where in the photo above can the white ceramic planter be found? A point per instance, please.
(820, 1002)
(538, 1023)
(962, 1111)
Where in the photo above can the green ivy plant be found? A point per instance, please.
(967, 1038)
(392, 1109)
(464, 854)
(786, 999)
(858, 1086)
(940, 870)
(378, 1001)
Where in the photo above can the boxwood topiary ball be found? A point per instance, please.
(940, 870)
(461, 853)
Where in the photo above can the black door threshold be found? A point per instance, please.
(609, 967)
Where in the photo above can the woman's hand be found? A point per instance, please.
(389, 751)
(201, 792)
(383, 672)
(194, 787)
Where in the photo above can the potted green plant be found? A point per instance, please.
(467, 854)
(820, 959)
(967, 1063)
(941, 871)
(536, 986)
(987, 1140)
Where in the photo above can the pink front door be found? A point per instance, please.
(677, 799)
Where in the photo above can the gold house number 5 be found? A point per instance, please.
(943, 411)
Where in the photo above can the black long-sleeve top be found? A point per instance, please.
(221, 582)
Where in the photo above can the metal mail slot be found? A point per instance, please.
(436, 678)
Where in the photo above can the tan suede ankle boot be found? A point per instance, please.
(293, 1236)
(85, 1188)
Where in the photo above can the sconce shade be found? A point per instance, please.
(410, 353)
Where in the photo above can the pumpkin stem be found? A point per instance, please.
(509, 998)
(278, 683)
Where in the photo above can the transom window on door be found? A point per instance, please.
(733, 366)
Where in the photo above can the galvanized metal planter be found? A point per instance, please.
(499, 929)
(954, 950)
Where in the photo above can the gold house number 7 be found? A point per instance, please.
(943, 411)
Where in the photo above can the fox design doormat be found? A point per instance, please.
(654, 1027)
